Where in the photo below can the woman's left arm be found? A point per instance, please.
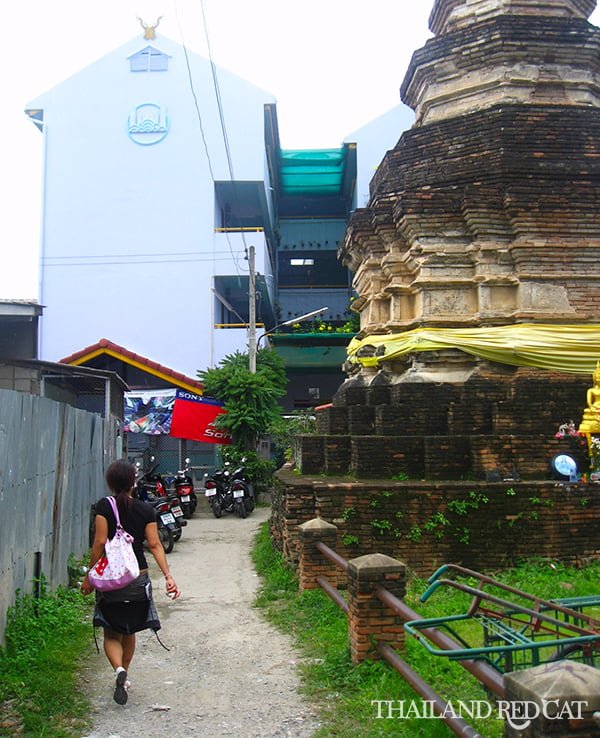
(100, 538)
(156, 549)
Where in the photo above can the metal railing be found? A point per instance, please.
(484, 673)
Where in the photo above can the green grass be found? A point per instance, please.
(45, 639)
(343, 693)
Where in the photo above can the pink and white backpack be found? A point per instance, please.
(119, 566)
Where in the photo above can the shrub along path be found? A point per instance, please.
(228, 673)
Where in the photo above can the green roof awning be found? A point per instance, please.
(312, 171)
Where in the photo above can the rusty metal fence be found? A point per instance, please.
(52, 458)
(482, 672)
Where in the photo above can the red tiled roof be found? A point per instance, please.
(129, 357)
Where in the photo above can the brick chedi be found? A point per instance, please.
(486, 213)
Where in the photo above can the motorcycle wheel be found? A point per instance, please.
(166, 538)
(240, 509)
(249, 503)
(187, 510)
(193, 505)
(176, 532)
(216, 508)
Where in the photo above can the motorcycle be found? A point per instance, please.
(230, 491)
(166, 522)
(217, 491)
(151, 488)
(243, 491)
(184, 489)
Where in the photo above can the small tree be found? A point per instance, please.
(251, 400)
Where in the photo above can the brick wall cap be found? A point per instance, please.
(374, 564)
(565, 681)
(345, 486)
(317, 525)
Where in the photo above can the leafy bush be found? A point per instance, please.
(259, 470)
(283, 431)
(250, 399)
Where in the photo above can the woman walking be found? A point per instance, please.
(123, 612)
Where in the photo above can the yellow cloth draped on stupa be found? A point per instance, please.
(563, 348)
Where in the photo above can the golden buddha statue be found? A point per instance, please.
(591, 415)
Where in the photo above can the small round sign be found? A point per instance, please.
(564, 466)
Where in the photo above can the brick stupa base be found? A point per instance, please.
(498, 423)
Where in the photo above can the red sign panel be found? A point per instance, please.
(193, 418)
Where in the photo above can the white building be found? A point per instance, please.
(132, 168)
(157, 181)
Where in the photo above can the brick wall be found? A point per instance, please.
(495, 420)
(425, 523)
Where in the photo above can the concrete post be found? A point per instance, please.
(369, 620)
(312, 562)
(555, 700)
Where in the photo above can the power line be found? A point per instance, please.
(145, 261)
(199, 115)
(221, 114)
(130, 255)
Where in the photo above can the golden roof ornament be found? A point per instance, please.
(149, 31)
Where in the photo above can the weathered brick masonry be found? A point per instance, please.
(425, 524)
(447, 431)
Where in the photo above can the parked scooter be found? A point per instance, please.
(243, 491)
(218, 492)
(166, 522)
(230, 491)
(151, 488)
(184, 489)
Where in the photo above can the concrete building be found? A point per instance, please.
(161, 171)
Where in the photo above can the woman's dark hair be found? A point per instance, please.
(120, 477)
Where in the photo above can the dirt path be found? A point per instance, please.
(228, 673)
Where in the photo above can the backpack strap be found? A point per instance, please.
(115, 509)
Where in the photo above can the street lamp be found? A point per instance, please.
(253, 347)
(291, 321)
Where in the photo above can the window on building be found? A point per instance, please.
(239, 205)
(149, 60)
(311, 268)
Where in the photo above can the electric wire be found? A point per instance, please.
(142, 262)
(220, 109)
(199, 117)
(129, 255)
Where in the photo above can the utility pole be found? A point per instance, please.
(251, 312)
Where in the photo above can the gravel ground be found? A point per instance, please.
(228, 673)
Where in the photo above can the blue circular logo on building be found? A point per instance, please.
(148, 124)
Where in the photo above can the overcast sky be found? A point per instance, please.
(332, 65)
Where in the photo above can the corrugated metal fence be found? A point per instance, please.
(51, 471)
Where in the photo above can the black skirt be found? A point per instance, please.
(127, 610)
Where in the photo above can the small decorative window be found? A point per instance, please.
(149, 60)
(302, 262)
